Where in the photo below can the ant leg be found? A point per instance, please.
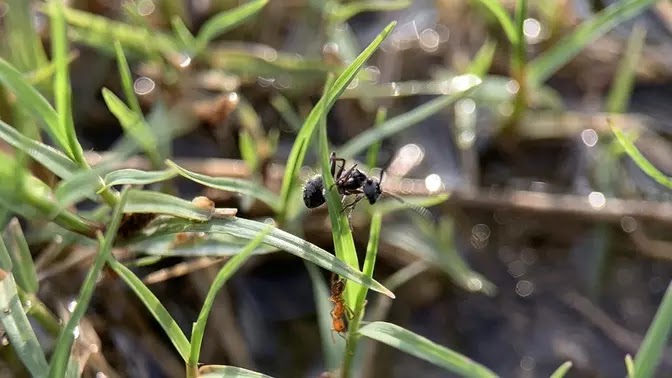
(344, 177)
(333, 341)
(349, 313)
(333, 159)
(343, 336)
(353, 203)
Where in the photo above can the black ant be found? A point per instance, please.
(351, 182)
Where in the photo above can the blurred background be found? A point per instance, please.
(552, 243)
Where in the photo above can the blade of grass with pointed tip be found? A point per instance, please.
(46, 72)
(51, 158)
(231, 267)
(245, 187)
(482, 62)
(62, 88)
(146, 201)
(248, 229)
(34, 102)
(137, 177)
(639, 159)
(497, 9)
(344, 244)
(630, 366)
(223, 371)
(423, 348)
(227, 20)
(650, 352)
(22, 260)
(401, 122)
(60, 357)
(133, 124)
(182, 32)
(323, 106)
(544, 66)
(561, 371)
(444, 257)
(332, 351)
(18, 329)
(286, 110)
(126, 79)
(169, 325)
(619, 94)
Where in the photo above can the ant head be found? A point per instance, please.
(372, 190)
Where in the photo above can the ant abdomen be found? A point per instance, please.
(313, 192)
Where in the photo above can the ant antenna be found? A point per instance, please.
(417, 208)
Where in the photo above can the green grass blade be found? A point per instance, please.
(630, 366)
(34, 103)
(146, 201)
(482, 62)
(24, 44)
(639, 159)
(5, 259)
(227, 20)
(425, 349)
(40, 75)
(339, 13)
(300, 146)
(241, 186)
(650, 352)
(102, 32)
(497, 9)
(169, 325)
(62, 89)
(249, 229)
(332, 351)
(182, 31)
(619, 94)
(137, 177)
(22, 260)
(87, 183)
(59, 360)
(441, 254)
(519, 57)
(248, 150)
(372, 153)
(562, 370)
(133, 124)
(462, 86)
(126, 79)
(18, 329)
(46, 155)
(222, 371)
(282, 105)
(369, 264)
(543, 67)
(213, 245)
(344, 244)
(231, 267)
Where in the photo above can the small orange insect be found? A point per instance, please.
(340, 309)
